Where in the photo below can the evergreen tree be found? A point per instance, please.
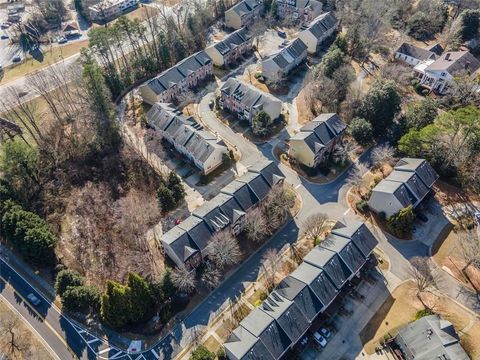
(141, 297)
(116, 305)
(65, 279)
(166, 198)
(362, 131)
(81, 298)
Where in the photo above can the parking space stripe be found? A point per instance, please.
(104, 351)
(154, 354)
(92, 341)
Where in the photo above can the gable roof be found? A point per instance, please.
(244, 7)
(358, 233)
(178, 72)
(294, 51)
(269, 171)
(416, 52)
(243, 345)
(412, 181)
(297, 291)
(231, 41)
(347, 251)
(181, 243)
(322, 24)
(198, 231)
(257, 184)
(421, 167)
(455, 62)
(330, 262)
(430, 337)
(319, 132)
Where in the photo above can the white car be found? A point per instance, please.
(325, 332)
(33, 299)
(319, 339)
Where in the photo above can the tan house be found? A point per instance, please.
(185, 75)
(230, 49)
(243, 14)
(316, 140)
(246, 101)
(277, 66)
(301, 11)
(202, 148)
(319, 30)
(110, 9)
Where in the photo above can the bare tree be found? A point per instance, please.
(223, 249)
(183, 279)
(355, 179)
(277, 205)
(382, 154)
(211, 275)
(10, 334)
(255, 226)
(470, 250)
(342, 151)
(422, 275)
(270, 264)
(314, 226)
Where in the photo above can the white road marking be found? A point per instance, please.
(104, 351)
(116, 355)
(154, 354)
(346, 212)
(296, 187)
(92, 341)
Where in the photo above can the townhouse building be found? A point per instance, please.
(408, 184)
(227, 51)
(315, 141)
(271, 330)
(189, 138)
(301, 11)
(246, 101)
(171, 83)
(243, 14)
(321, 29)
(278, 65)
(186, 243)
(110, 9)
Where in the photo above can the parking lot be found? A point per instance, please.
(350, 317)
(7, 51)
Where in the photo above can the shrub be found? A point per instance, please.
(202, 353)
(81, 298)
(401, 223)
(422, 313)
(362, 206)
(221, 353)
(65, 279)
(257, 303)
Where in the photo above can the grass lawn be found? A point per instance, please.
(257, 295)
(50, 56)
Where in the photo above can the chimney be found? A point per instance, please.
(447, 56)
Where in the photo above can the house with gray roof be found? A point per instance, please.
(278, 65)
(315, 141)
(189, 138)
(359, 233)
(186, 244)
(322, 28)
(243, 14)
(227, 51)
(269, 331)
(178, 79)
(246, 101)
(408, 184)
(299, 11)
(438, 74)
(430, 337)
(413, 55)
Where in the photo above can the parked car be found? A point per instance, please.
(211, 104)
(282, 34)
(5, 26)
(4, 36)
(319, 339)
(325, 332)
(62, 40)
(17, 59)
(476, 216)
(33, 299)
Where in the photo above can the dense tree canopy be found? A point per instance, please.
(67, 278)
(421, 114)
(362, 131)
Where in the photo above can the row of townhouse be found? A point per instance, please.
(315, 141)
(269, 331)
(174, 81)
(243, 14)
(110, 9)
(227, 51)
(321, 29)
(246, 101)
(408, 184)
(302, 11)
(435, 69)
(187, 243)
(205, 150)
(278, 65)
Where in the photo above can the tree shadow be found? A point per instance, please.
(37, 54)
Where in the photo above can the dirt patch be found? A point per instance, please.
(447, 194)
(212, 344)
(469, 341)
(28, 347)
(304, 113)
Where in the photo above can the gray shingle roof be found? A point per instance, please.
(257, 184)
(294, 51)
(232, 40)
(416, 52)
(245, 7)
(247, 94)
(243, 345)
(321, 24)
(185, 131)
(455, 62)
(269, 171)
(197, 230)
(423, 169)
(242, 193)
(359, 233)
(347, 251)
(336, 269)
(430, 337)
(181, 243)
(321, 131)
(413, 182)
